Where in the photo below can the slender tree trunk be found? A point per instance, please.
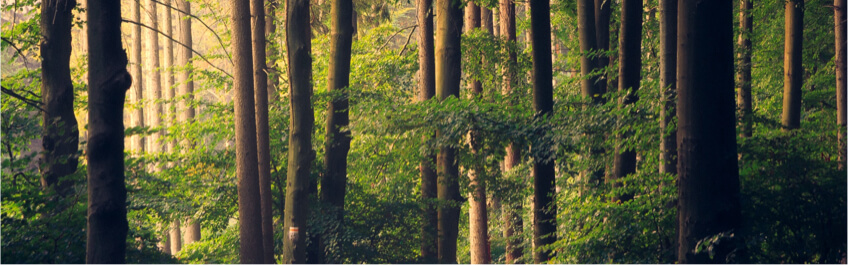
(839, 17)
(513, 224)
(192, 231)
(137, 95)
(448, 74)
(544, 210)
(263, 148)
(300, 126)
(165, 244)
(186, 84)
(629, 76)
(426, 90)
(588, 43)
(154, 83)
(170, 90)
(793, 72)
(108, 79)
(602, 39)
(477, 210)
(176, 237)
(60, 134)
(271, 29)
(743, 99)
(472, 21)
(668, 82)
(250, 211)
(708, 173)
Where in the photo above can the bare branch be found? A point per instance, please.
(181, 44)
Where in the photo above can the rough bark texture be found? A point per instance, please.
(108, 79)
(300, 127)
(137, 94)
(743, 96)
(263, 147)
(839, 18)
(708, 185)
(176, 237)
(793, 72)
(629, 76)
(426, 90)
(60, 134)
(544, 218)
(448, 74)
(513, 224)
(250, 212)
(154, 82)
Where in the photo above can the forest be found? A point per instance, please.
(423, 131)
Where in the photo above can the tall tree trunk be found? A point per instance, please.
(602, 39)
(108, 79)
(137, 94)
(176, 237)
(839, 17)
(793, 72)
(154, 83)
(426, 90)
(588, 44)
(60, 134)
(170, 90)
(544, 210)
(629, 76)
(743, 99)
(300, 142)
(668, 83)
(472, 21)
(263, 148)
(477, 210)
(448, 74)
(334, 181)
(513, 224)
(706, 138)
(271, 29)
(192, 231)
(186, 84)
(250, 211)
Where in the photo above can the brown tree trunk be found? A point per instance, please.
(513, 224)
(300, 142)
(588, 43)
(629, 76)
(270, 29)
(176, 237)
(602, 39)
(108, 79)
(793, 72)
(743, 99)
(184, 59)
(839, 17)
(477, 210)
(192, 231)
(60, 134)
(426, 90)
(137, 95)
(448, 75)
(544, 210)
(263, 148)
(154, 82)
(170, 90)
(668, 82)
(165, 244)
(472, 21)
(706, 138)
(250, 211)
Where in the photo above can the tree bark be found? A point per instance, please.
(668, 83)
(154, 83)
(472, 21)
(263, 148)
(513, 224)
(192, 231)
(108, 79)
(60, 134)
(170, 89)
(706, 138)
(186, 84)
(743, 99)
(250, 211)
(137, 95)
(301, 122)
(629, 76)
(544, 210)
(839, 17)
(448, 74)
(602, 33)
(477, 210)
(176, 237)
(588, 44)
(426, 90)
(271, 29)
(793, 72)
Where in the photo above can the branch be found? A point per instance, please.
(393, 35)
(181, 44)
(408, 38)
(220, 42)
(30, 102)
(17, 50)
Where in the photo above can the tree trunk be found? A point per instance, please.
(588, 43)
(448, 74)
(60, 134)
(839, 11)
(250, 211)
(668, 83)
(602, 39)
(629, 76)
(706, 138)
(743, 99)
(137, 95)
(184, 59)
(108, 79)
(510, 209)
(263, 148)
(477, 210)
(426, 90)
(154, 83)
(472, 21)
(192, 231)
(170, 90)
(176, 237)
(270, 29)
(165, 244)
(793, 72)
(300, 142)
(544, 210)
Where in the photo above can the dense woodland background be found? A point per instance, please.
(334, 98)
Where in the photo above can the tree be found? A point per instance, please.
(137, 96)
(300, 126)
(544, 210)
(250, 212)
(513, 224)
(629, 76)
(154, 82)
(270, 29)
(743, 98)
(60, 135)
(448, 64)
(108, 79)
(426, 90)
(175, 238)
(668, 83)
(792, 69)
(186, 89)
(263, 148)
(602, 33)
(588, 44)
(708, 185)
(839, 17)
